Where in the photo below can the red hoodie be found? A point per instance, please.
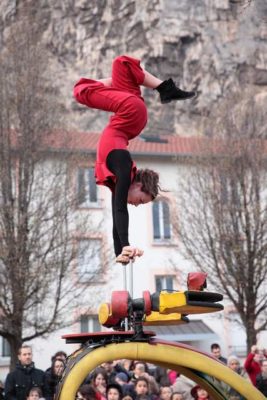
(252, 367)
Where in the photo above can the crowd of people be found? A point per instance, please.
(26, 382)
(126, 379)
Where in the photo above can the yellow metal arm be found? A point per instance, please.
(182, 358)
(155, 318)
(188, 302)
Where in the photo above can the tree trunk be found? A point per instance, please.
(251, 334)
(15, 343)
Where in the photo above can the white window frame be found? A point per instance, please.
(163, 282)
(89, 323)
(89, 260)
(5, 348)
(89, 189)
(162, 228)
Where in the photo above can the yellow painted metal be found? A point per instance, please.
(155, 318)
(196, 378)
(170, 302)
(176, 302)
(103, 313)
(157, 353)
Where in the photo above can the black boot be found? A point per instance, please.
(169, 91)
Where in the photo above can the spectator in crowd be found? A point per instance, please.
(165, 393)
(60, 355)
(172, 375)
(183, 385)
(161, 376)
(153, 387)
(100, 382)
(234, 363)
(198, 393)
(53, 375)
(114, 392)
(253, 363)
(35, 394)
(108, 366)
(87, 392)
(121, 378)
(141, 387)
(1, 390)
(128, 397)
(177, 396)
(125, 363)
(216, 352)
(25, 377)
(261, 378)
(112, 368)
(127, 388)
(138, 368)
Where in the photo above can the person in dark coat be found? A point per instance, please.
(54, 374)
(261, 379)
(216, 351)
(1, 390)
(24, 377)
(112, 368)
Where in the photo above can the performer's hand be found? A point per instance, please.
(131, 252)
(122, 259)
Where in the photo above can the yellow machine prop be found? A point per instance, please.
(164, 308)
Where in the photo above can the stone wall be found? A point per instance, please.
(212, 46)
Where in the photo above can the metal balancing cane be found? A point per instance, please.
(130, 281)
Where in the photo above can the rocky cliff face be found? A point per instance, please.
(210, 46)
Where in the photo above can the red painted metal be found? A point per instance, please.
(196, 280)
(119, 303)
(147, 302)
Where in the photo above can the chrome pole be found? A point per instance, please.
(131, 278)
(124, 266)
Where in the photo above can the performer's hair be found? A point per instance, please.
(149, 180)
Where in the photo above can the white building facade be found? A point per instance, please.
(151, 228)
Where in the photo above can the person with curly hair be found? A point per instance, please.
(121, 94)
(114, 392)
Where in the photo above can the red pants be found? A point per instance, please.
(124, 99)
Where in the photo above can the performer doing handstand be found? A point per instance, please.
(115, 168)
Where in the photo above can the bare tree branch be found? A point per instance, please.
(223, 208)
(39, 283)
